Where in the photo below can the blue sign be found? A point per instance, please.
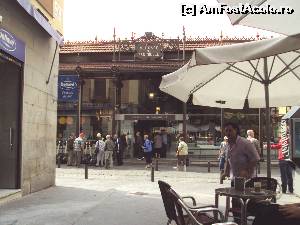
(12, 45)
(67, 88)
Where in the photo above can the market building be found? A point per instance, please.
(116, 90)
(30, 35)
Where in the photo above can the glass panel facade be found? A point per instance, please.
(143, 97)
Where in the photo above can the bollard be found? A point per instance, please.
(221, 180)
(208, 166)
(152, 174)
(156, 164)
(86, 171)
(58, 161)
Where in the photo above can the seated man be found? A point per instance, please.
(274, 214)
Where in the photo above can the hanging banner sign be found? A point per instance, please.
(12, 45)
(67, 88)
(285, 140)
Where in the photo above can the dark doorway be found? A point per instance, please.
(146, 126)
(10, 80)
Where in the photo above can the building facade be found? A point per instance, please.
(118, 90)
(28, 113)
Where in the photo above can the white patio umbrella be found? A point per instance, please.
(284, 23)
(265, 73)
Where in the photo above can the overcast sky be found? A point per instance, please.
(84, 20)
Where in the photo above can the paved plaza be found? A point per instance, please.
(124, 195)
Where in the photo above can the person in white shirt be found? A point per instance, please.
(255, 142)
(100, 144)
(182, 153)
(222, 153)
(158, 144)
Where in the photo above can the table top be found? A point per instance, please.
(248, 193)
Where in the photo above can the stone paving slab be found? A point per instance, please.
(124, 195)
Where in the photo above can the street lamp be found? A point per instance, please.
(151, 95)
(221, 102)
(157, 109)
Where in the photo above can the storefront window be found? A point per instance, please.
(65, 126)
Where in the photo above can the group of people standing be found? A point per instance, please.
(106, 149)
(161, 143)
(145, 148)
(112, 148)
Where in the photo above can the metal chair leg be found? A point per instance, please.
(227, 208)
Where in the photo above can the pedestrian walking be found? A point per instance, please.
(165, 143)
(129, 142)
(222, 153)
(123, 140)
(120, 143)
(148, 151)
(138, 146)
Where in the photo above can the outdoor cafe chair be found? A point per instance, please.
(267, 184)
(182, 214)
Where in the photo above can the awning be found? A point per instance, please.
(291, 112)
(41, 20)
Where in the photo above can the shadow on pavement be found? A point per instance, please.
(68, 205)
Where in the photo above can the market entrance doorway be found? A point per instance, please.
(10, 86)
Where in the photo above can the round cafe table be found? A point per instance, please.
(244, 197)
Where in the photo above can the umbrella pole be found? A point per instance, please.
(268, 120)
(222, 117)
(184, 132)
(259, 133)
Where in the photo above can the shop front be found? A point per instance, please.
(28, 92)
(12, 56)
